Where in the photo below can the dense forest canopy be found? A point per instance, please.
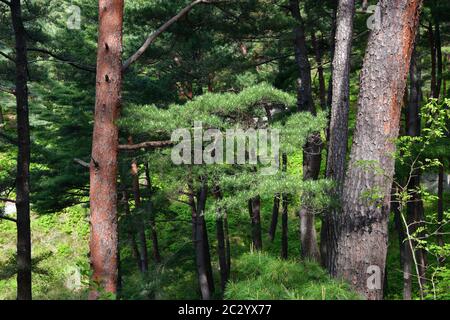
(224, 149)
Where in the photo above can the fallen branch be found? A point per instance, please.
(146, 145)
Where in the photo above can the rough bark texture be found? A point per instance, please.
(103, 168)
(23, 158)
(362, 241)
(254, 209)
(338, 134)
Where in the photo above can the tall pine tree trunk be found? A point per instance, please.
(362, 241)
(338, 132)
(23, 157)
(103, 168)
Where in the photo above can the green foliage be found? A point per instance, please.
(258, 276)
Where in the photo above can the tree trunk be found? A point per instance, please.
(304, 92)
(432, 45)
(440, 209)
(254, 209)
(103, 168)
(313, 147)
(221, 243)
(274, 220)
(154, 234)
(319, 62)
(131, 237)
(23, 157)
(362, 241)
(438, 45)
(201, 244)
(284, 217)
(415, 211)
(141, 225)
(338, 134)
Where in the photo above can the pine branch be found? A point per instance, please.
(8, 218)
(8, 138)
(8, 90)
(82, 163)
(7, 56)
(64, 59)
(152, 37)
(7, 200)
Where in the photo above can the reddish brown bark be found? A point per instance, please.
(362, 241)
(103, 169)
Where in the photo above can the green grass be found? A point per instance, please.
(259, 276)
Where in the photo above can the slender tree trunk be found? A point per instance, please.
(432, 45)
(338, 136)
(313, 147)
(23, 157)
(415, 211)
(284, 217)
(227, 243)
(221, 243)
(131, 237)
(154, 234)
(439, 66)
(103, 168)
(274, 220)
(254, 208)
(141, 225)
(201, 244)
(362, 241)
(304, 92)
(318, 56)
(440, 209)
(332, 49)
